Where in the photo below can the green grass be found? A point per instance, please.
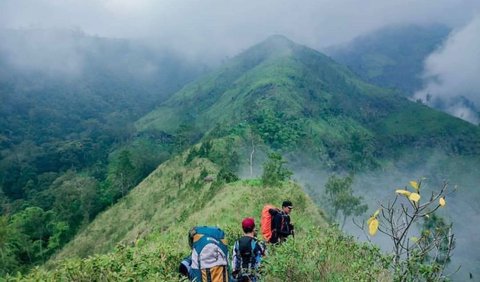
(318, 252)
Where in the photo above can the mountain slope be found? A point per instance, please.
(175, 193)
(392, 57)
(67, 106)
(317, 251)
(67, 98)
(297, 99)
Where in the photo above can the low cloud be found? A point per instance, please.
(451, 74)
(43, 51)
(213, 30)
(218, 28)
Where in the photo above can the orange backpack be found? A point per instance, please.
(266, 222)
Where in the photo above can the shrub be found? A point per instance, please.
(324, 255)
(415, 258)
(274, 171)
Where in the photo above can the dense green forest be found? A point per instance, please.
(66, 140)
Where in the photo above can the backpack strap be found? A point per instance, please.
(252, 252)
(238, 257)
(256, 257)
(253, 244)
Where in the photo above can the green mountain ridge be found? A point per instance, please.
(298, 99)
(144, 236)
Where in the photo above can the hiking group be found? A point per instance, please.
(209, 260)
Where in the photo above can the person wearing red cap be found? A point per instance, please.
(247, 253)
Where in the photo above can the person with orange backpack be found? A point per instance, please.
(276, 225)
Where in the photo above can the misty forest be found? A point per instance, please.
(124, 125)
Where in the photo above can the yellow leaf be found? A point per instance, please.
(370, 220)
(414, 197)
(442, 201)
(403, 192)
(373, 227)
(414, 184)
(414, 239)
(376, 213)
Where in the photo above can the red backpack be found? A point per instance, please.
(266, 221)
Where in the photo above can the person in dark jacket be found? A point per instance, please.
(247, 254)
(281, 226)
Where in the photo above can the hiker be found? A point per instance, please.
(247, 253)
(281, 226)
(209, 258)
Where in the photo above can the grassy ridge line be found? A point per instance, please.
(317, 253)
(155, 203)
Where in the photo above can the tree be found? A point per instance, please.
(184, 136)
(123, 175)
(436, 230)
(340, 198)
(33, 225)
(274, 171)
(8, 247)
(415, 258)
(76, 199)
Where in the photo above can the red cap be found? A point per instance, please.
(248, 223)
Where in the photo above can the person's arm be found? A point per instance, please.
(291, 227)
(284, 229)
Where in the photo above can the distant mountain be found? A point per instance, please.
(391, 57)
(66, 97)
(300, 101)
(56, 77)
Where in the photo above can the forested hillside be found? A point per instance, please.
(66, 113)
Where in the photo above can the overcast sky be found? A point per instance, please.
(224, 27)
(215, 29)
